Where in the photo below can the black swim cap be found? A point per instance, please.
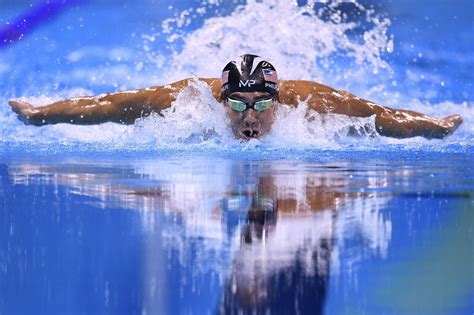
(249, 73)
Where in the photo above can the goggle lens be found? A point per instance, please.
(259, 106)
(237, 105)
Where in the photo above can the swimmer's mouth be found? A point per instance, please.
(249, 134)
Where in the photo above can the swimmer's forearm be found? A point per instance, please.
(390, 122)
(123, 107)
(407, 124)
(397, 123)
(87, 111)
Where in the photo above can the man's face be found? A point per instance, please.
(250, 123)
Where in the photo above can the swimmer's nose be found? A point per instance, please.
(250, 119)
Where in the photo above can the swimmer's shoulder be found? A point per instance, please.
(291, 90)
(303, 85)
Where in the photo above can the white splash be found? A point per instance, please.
(292, 37)
(306, 128)
(302, 42)
(194, 118)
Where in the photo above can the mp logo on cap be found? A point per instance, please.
(246, 83)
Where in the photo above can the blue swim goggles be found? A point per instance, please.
(259, 106)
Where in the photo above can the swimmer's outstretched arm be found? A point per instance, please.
(389, 122)
(121, 107)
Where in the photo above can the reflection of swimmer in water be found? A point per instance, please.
(249, 89)
(282, 264)
(287, 228)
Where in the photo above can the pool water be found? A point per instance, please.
(200, 235)
(175, 216)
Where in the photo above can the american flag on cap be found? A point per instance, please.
(225, 77)
(270, 75)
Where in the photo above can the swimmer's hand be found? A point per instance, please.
(26, 112)
(451, 123)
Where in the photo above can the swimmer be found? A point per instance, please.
(250, 91)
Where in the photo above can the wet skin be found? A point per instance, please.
(127, 106)
(250, 123)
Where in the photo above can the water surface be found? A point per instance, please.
(174, 216)
(202, 235)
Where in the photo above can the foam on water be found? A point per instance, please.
(296, 39)
(322, 44)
